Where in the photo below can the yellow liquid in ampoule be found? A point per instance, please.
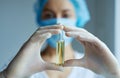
(60, 52)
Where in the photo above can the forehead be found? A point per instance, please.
(59, 5)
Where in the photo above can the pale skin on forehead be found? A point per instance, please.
(59, 5)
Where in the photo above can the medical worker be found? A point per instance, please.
(34, 62)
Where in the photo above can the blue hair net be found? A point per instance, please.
(80, 6)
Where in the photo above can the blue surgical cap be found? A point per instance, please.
(80, 6)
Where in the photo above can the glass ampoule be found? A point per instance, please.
(60, 49)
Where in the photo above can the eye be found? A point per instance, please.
(48, 15)
(66, 15)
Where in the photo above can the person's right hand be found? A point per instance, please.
(28, 60)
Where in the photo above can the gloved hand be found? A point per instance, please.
(28, 60)
(97, 58)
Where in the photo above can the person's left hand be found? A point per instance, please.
(97, 58)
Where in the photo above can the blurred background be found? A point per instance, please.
(17, 23)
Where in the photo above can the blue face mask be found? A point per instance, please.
(66, 22)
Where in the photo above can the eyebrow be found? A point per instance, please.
(46, 9)
(64, 10)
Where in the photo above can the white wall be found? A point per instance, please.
(104, 28)
(117, 29)
(17, 23)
